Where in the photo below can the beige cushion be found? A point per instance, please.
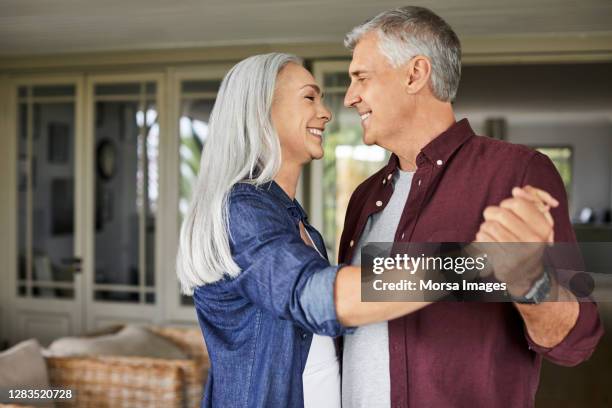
(129, 341)
(23, 366)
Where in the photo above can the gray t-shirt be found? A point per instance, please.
(365, 363)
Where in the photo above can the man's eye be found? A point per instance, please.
(312, 98)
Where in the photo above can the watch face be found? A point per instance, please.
(106, 158)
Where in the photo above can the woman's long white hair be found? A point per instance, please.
(242, 146)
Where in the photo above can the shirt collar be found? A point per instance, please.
(441, 148)
(293, 207)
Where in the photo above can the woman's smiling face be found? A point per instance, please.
(298, 115)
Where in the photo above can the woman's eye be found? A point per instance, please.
(312, 98)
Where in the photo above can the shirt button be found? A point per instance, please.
(439, 162)
(389, 176)
(384, 181)
(304, 335)
(351, 243)
(379, 203)
(402, 235)
(419, 183)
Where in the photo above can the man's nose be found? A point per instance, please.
(351, 97)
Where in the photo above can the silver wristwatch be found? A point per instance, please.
(538, 292)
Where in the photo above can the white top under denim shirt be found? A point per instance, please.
(321, 375)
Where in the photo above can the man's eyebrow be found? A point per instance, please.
(314, 86)
(357, 72)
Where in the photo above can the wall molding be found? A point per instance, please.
(506, 49)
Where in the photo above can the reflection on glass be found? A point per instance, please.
(193, 130)
(198, 98)
(337, 79)
(45, 292)
(200, 86)
(346, 163)
(127, 191)
(561, 157)
(116, 237)
(151, 181)
(118, 89)
(53, 90)
(23, 171)
(45, 192)
(150, 88)
(116, 296)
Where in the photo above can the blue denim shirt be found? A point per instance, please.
(258, 326)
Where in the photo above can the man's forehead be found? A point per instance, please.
(364, 53)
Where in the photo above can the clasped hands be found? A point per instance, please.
(521, 227)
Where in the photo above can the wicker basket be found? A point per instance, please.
(136, 381)
(195, 370)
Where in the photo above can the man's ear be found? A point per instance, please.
(418, 71)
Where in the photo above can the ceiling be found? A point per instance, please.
(30, 27)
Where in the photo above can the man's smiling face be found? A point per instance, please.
(377, 92)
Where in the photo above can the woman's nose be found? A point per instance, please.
(325, 113)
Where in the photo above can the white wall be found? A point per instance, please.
(592, 149)
(550, 105)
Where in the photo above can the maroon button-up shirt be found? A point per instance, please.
(466, 354)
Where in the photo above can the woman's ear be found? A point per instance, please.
(418, 71)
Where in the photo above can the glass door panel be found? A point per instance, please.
(45, 191)
(126, 172)
(197, 99)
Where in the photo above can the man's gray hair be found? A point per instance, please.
(406, 32)
(242, 147)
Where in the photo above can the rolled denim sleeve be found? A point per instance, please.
(279, 272)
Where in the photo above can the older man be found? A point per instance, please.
(440, 180)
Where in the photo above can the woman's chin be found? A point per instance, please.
(316, 155)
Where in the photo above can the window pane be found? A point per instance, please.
(116, 296)
(53, 196)
(187, 300)
(562, 159)
(49, 292)
(338, 79)
(46, 198)
(23, 170)
(127, 194)
(150, 88)
(54, 90)
(201, 86)
(150, 184)
(117, 187)
(193, 130)
(118, 89)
